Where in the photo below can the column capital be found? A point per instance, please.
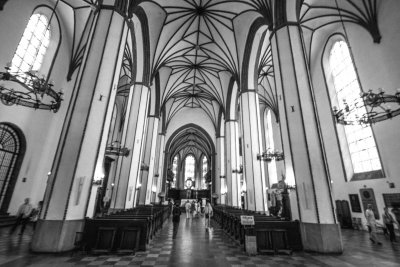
(248, 91)
(141, 83)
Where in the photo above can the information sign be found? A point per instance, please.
(247, 220)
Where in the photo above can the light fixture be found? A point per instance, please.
(244, 187)
(269, 155)
(115, 149)
(144, 167)
(32, 91)
(370, 107)
(240, 170)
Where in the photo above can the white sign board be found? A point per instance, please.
(246, 220)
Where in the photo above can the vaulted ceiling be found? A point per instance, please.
(198, 46)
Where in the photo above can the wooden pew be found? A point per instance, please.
(120, 236)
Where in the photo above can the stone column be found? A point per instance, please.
(264, 140)
(159, 162)
(139, 124)
(128, 168)
(70, 182)
(219, 170)
(232, 163)
(304, 152)
(253, 169)
(148, 160)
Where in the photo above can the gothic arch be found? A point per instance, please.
(12, 151)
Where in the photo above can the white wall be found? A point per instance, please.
(378, 65)
(41, 128)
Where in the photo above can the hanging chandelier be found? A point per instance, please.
(369, 108)
(239, 171)
(115, 149)
(270, 155)
(30, 91)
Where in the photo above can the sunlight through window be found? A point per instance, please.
(33, 45)
(361, 143)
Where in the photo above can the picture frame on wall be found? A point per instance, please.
(355, 203)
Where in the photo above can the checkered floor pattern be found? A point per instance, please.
(196, 246)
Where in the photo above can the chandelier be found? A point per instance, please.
(270, 155)
(115, 149)
(239, 171)
(369, 108)
(33, 91)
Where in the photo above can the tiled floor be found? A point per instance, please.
(194, 246)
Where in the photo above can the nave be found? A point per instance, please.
(194, 246)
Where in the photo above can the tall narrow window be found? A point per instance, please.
(189, 167)
(362, 148)
(174, 170)
(33, 45)
(204, 172)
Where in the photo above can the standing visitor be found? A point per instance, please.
(371, 223)
(208, 211)
(193, 209)
(35, 214)
(176, 217)
(187, 209)
(389, 222)
(23, 215)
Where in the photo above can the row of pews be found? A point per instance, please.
(125, 231)
(273, 235)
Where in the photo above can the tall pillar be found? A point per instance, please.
(128, 168)
(264, 144)
(70, 182)
(159, 162)
(232, 163)
(304, 151)
(139, 124)
(148, 160)
(219, 170)
(252, 145)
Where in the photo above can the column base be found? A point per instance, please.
(322, 238)
(55, 236)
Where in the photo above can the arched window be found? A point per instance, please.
(12, 149)
(33, 45)
(204, 170)
(360, 141)
(174, 170)
(189, 167)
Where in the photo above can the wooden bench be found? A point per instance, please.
(115, 235)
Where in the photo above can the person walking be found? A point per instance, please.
(371, 224)
(208, 211)
(35, 214)
(187, 209)
(23, 215)
(193, 209)
(176, 217)
(389, 222)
